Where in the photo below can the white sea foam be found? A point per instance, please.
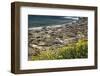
(33, 28)
(38, 28)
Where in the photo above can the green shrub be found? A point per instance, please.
(82, 49)
(67, 52)
(72, 51)
(46, 55)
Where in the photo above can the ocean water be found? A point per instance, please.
(42, 20)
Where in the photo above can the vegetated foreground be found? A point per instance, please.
(66, 41)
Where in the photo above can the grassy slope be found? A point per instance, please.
(71, 51)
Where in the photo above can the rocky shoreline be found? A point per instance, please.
(52, 37)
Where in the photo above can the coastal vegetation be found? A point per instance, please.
(71, 51)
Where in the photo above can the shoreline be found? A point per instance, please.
(37, 28)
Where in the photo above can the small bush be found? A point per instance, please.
(82, 49)
(46, 55)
